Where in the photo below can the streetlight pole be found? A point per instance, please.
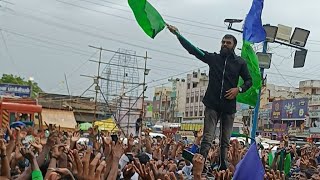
(256, 109)
(271, 32)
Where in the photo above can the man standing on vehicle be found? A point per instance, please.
(220, 98)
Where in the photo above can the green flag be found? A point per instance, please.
(147, 17)
(287, 164)
(250, 96)
(270, 159)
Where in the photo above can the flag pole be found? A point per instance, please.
(256, 110)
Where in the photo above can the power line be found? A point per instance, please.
(164, 15)
(41, 40)
(42, 45)
(176, 74)
(37, 39)
(174, 17)
(114, 34)
(9, 55)
(128, 11)
(114, 40)
(7, 49)
(103, 30)
(129, 19)
(282, 76)
(7, 2)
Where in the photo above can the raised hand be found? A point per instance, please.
(75, 137)
(223, 175)
(27, 153)
(86, 170)
(172, 29)
(58, 150)
(128, 171)
(198, 164)
(272, 175)
(117, 150)
(157, 153)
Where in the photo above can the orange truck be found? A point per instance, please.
(25, 110)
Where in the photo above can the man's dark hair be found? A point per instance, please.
(143, 158)
(229, 36)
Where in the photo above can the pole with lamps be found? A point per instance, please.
(281, 35)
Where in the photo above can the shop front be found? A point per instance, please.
(275, 131)
(292, 112)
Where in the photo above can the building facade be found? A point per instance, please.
(197, 84)
(161, 103)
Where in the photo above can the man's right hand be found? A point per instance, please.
(174, 30)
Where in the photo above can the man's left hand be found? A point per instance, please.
(232, 93)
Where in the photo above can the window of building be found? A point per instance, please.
(195, 75)
(204, 83)
(192, 99)
(197, 98)
(191, 114)
(187, 113)
(194, 85)
(187, 100)
(196, 113)
(200, 113)
(314, 91)
(201, 98)
(188, 86)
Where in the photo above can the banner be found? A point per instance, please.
(289, 109)
(15, 90)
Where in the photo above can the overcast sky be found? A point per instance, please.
(46, 38)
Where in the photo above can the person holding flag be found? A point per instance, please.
(220, 98)
(231, 79)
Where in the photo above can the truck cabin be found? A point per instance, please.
(10, 112)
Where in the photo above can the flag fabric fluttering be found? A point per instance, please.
(287, 164)
(250, 167)
(147, 17)
(270, 159)
(253, 32)
(250, 97)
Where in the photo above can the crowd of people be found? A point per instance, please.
(59, 155)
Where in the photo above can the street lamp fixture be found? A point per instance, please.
(146, 71)
(271, 32)
(300, 37)
(300, 58)
(264, 60)
(284, 33)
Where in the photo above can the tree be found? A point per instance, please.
(11, 79)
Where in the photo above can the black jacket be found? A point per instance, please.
(224, 74)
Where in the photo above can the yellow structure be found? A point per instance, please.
(107, 125)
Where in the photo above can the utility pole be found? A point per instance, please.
(145, 73)
(97, 87)
(128, 117)
(160, 109)
(165, 109)
(256, 109)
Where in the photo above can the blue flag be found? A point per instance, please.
(253, 30)
(250, 167)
